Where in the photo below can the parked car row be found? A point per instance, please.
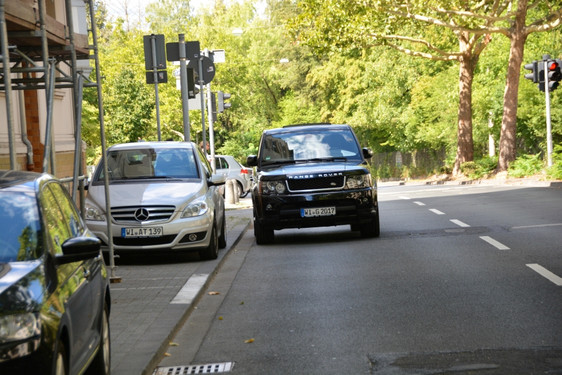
(54, 287)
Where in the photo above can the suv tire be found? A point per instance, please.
(264, 235)
(371, 229)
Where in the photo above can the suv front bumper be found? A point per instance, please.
(353, 207)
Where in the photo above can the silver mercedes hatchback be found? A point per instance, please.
(163, 196)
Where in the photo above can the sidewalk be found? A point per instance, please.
(152, 300)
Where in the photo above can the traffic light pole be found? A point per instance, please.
(184, 89)
(548, 125)
(155, 74)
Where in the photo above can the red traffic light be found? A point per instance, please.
(553, 65)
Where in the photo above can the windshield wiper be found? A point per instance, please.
(285, 161)
(330, 158)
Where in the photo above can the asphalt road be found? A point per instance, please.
(463, 280)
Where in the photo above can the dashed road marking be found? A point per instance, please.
(436, 211)
(460, 223)
(545, 273)
(419, 203)
(494, 243)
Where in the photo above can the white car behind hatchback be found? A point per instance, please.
(163, 196)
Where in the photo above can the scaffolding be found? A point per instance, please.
(38, 52)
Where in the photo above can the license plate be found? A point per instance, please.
(318, 211)
(141, 232)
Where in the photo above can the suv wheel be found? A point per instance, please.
(371, 229)
(264, 235)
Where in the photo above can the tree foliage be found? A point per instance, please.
(348, 62)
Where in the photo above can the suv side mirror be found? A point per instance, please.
(252, 161)
(367, 153)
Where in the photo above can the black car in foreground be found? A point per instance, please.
(54, 287)
(310, 176)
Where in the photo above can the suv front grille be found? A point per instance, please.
(131, 214)
(320, 183)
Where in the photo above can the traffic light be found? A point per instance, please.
(554, 74)
(534, 75)
(222, 104)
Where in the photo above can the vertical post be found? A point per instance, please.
(7, 85)
(184, 89)
(491, 143)
(548, 125)
(201, 85)
(155, 73)
(113, 277)
(211, 128)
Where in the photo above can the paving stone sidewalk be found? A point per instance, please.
(143, 319)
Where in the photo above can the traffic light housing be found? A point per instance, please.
(223, 96)
(554, 74)
(534, 75)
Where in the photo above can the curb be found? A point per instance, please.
(212, 272)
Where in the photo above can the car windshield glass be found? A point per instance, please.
(300, 146)
(19, 220)
(149, 163)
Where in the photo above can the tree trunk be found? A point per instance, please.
(465, 146)
(508, 150)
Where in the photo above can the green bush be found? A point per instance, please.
(479, 168)
(526, 165)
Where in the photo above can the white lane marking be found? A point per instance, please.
(538, 226)
(460, 223)
(497, 244)
(545, 273)
(404, 197)
(419, 203)
(190, 289)
(437, 212)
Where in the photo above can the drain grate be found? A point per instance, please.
(212, 368)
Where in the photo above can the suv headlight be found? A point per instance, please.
(195, 208)
(93, 213)
(358, 181)
(18, 327)
(273, 187)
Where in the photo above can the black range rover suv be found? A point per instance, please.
(312, 175)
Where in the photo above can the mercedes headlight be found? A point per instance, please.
(195, 208)
(93, 213)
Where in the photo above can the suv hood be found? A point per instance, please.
(146, 193)
(312, 168)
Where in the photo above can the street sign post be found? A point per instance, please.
(155, 60)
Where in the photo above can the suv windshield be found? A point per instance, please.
(20, 225)
(147, 163)
(300, 146)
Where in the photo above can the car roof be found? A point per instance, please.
(154, 144)
(311, 127)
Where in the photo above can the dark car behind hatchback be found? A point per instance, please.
(54, 287)
(310, 176)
